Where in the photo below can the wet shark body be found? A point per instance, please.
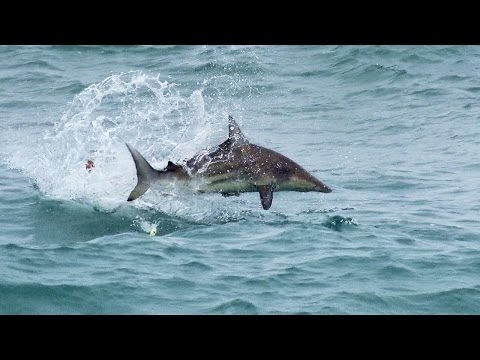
(236, 166)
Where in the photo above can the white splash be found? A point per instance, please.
(133, 107)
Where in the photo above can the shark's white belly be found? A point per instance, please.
(222, 184)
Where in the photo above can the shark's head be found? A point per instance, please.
(292, 177)
(303, 181)
(320, 187)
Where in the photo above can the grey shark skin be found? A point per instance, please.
(236, 166)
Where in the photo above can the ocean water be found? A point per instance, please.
(393, 130)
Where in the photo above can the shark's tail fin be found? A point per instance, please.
(145, 174)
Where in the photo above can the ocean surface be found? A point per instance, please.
(393, 130)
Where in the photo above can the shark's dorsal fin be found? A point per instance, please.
(235, 135)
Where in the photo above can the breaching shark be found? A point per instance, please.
(236, 166)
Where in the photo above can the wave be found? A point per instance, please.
(340, 223)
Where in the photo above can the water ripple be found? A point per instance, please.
(393, 130)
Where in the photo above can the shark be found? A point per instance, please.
(235, 166)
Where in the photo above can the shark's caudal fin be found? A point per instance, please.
(145, 174)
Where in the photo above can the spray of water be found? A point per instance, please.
(151, 115)
(133, 107)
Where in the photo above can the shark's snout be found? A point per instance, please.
(319, 186)
(323, 188)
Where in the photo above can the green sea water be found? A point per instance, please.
(393, 130)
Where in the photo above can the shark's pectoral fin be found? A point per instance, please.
(266, 195)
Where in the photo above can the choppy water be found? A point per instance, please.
(394, 130)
